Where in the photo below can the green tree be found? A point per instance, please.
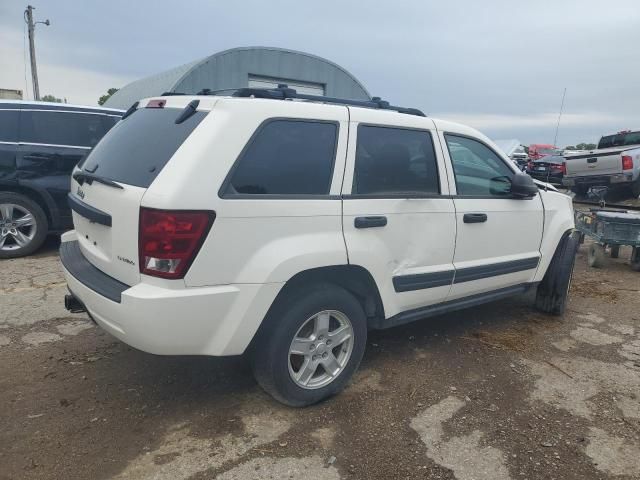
(103, 99)
(586, 146)
(570, 147)
(51, 98)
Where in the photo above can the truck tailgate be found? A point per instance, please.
(595, 163)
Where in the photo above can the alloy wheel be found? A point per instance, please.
(17, 226)
(320, 349)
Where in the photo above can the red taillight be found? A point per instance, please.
(530, 165)
(563, 167)
(627, 162)
(169, 240)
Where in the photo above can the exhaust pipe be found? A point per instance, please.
(74, 305)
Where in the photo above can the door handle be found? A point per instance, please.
(474, 218)
(370, 222)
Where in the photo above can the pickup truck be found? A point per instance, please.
(616, 162)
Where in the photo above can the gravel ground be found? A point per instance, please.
(495, 392)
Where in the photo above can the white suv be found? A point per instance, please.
(209, 225)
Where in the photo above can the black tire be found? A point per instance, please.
(615, 251)
(552, 293)
(580, 190)
(635, 259)
(41, 226)
(269, 353)
(635, 188)
(596, 256)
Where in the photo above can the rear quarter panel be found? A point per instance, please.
(252, 240)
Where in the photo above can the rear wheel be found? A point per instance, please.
(23, 225)
(310, 345)
(552, 293)
(596, 256)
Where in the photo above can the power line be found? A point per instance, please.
(555, 139)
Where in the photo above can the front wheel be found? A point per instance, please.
(310, 345)
(552, 293)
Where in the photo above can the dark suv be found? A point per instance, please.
(40, 143)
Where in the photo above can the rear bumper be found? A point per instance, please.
(597, 180)
(219, 320)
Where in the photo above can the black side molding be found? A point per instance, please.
(88, 212)
(484, 271)
(91, 277)
(407, 283)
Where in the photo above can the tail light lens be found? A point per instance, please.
(627, 162)
(169, 240)
(563, 167)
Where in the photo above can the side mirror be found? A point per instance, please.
(522, 186)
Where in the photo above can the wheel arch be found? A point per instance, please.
(355, 279)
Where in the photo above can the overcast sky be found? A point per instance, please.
(499, 66)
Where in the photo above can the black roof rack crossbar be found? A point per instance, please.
(283, 92)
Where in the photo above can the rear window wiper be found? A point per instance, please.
(82, 177)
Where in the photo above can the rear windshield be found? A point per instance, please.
(620, 140)
(138, 147)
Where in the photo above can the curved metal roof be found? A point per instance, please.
(232, 68)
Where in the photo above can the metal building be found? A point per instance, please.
(247, 67)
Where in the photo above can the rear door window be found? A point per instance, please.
(62, 128)
(9, 125)
(395, 161)
(138, 147)
(286, 157)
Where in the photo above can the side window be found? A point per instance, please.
(394, 161)
(478, 169)
(287, 157)
(9, 125)
(61, 128)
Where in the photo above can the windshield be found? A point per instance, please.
(620, 140)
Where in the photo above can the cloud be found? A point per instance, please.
(500, 65)
(546, 120)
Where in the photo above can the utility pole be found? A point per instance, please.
(28, 17)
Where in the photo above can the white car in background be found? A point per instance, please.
(217, 226)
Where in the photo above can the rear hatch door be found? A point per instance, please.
(108, 187)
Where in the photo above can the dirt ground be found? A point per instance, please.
(496, 392)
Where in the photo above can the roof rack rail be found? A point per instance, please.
(283, 92)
